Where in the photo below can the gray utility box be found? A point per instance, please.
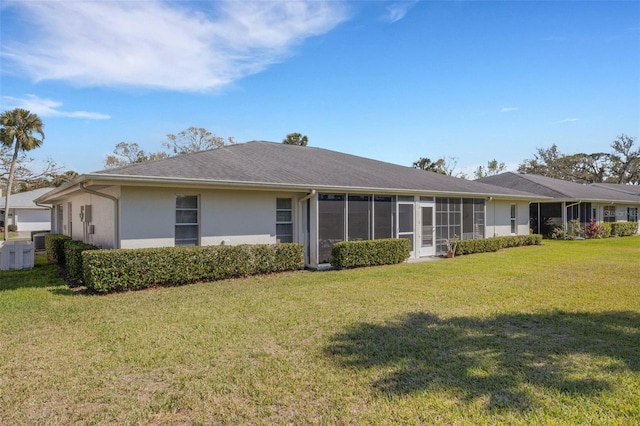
(16, 255)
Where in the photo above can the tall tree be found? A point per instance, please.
(130, 153)
(25, 177)
(194, 139)
(18, 128)
(441, 166)
(622, 165)
(625, 161)
(296, 139)
(493, 168)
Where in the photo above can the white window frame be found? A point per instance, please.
(280, 237)
(513, 218)
(196, 224)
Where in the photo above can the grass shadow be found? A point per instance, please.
(498, 359)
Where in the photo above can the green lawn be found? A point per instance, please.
(536, 335)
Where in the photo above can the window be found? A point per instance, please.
(284, 220)
(514, 220)
(632, 214)
(609, 213)
(187, 229)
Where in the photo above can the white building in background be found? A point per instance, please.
(25, 213)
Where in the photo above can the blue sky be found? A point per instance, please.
(393, 81)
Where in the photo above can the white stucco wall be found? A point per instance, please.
(102, 218)
(231, 217)
(499, 218)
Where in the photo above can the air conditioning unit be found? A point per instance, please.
(38, 242)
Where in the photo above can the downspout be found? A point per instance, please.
(50, 208)
(116, 215)
(494, 217)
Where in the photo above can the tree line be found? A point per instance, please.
(22, 131)
(620, 165)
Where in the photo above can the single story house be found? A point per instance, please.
(570, 200)
(265, 192)
(25, 213)
(627, 189)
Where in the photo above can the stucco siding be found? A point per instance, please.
(98, 227)
(499, 218)
(225, 217)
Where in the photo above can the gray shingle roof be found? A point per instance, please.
(306, 167)
(557, 188)
(628, 189)
(24, 200)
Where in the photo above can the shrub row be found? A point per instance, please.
(133, 269)
(351, 254)
(496, 243)
(623, 229)
(54, 247)
(73, 258)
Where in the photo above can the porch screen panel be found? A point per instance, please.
(383, 217)
(448, 221)
(467, 219)
(550, 217)
(331, 223)
(359, 217)
(478, 218)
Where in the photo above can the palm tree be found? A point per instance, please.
(18, 127)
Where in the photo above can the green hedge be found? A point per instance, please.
(133, 269)
(73, 258)
(623, 229)
(352, 254)
(54, 247)
(496, 243)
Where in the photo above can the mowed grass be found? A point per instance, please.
(535, 335)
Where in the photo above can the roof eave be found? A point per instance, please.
(94, 179)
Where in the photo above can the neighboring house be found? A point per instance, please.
(627, 189)
(25, 213)
(602, 202)
(264, 192)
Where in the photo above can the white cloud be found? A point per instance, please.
(164, 44)
(568, 120)
(397, 11)
(48, 108)
(509, 109)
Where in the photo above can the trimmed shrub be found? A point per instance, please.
(594, 229)
(352, 254)
(606, 229)
(624, 229)
(133, 269)
(12, 228)
(54, 247)
(496, 243)
(73, 258)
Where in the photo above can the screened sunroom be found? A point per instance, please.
(427, 222)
